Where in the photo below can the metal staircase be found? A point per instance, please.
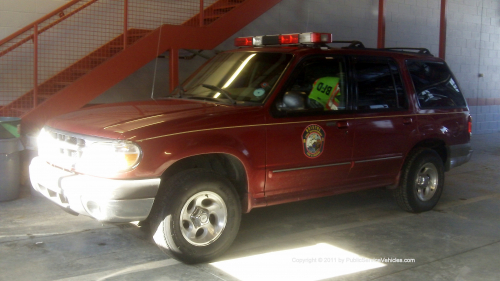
(66, 59)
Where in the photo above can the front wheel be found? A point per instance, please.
(422, 181)
(199, 216)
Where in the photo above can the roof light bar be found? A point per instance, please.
(284, 39)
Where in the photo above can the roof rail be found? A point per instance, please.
(352, 44)
(422, 51)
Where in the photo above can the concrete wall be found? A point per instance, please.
(473, 41)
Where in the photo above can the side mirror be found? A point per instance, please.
(293, 101)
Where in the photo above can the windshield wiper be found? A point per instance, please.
(226, 93)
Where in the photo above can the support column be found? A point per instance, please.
(35, 65)
(173, 68)
(381, 24)
(202, 16)
(442, 31)
(125, 24)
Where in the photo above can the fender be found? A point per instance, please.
(247, 144)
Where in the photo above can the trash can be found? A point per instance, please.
(10, 158)
(9, 127)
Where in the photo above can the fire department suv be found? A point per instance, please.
(280, 119)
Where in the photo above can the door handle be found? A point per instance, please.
(339, 124)
(407, 120)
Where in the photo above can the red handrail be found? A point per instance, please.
(44, 18)
(30, 37)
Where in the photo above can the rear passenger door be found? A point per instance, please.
(384, 126)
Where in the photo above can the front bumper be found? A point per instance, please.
(103, 199)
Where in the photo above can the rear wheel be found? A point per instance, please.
(422, 181)
(198, 216)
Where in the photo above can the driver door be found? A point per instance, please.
(309, 147)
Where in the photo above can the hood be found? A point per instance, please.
(137, 120)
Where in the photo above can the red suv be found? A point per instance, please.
(283, 118)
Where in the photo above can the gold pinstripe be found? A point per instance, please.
(298, 122)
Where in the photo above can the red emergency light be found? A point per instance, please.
(243, 41)
(284, 39)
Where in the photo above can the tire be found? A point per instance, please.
(422, 181)
(198, 216)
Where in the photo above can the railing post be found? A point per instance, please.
(173, 68)
(125, 24)
(381, 24)
(202, 8)
(442, 31)
(35, 65)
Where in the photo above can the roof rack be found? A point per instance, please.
(352, 44)
(422, 51)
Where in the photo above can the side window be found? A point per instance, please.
(379, 86)
(435, 85)
(317, 84)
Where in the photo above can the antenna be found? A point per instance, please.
(156, 62)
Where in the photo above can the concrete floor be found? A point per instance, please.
(331, 238)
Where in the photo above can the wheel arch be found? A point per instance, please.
(435, 144)
(225, 164)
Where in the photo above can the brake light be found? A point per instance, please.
(469, 124)
(243, 41)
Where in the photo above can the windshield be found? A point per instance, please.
(236, 77)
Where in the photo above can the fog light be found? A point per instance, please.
(93, 209)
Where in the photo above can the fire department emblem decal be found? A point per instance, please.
(313, 141)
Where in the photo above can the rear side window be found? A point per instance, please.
(379, 86)
(435, 85)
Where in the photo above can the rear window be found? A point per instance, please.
(435, 85)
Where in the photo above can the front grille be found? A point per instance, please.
(61, 148)
(68, 146)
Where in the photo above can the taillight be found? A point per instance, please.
(469, 124)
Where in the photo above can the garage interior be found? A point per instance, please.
(57, 56)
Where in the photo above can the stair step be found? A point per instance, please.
(43, 96)
(211, 17)
(224, 8)
(62, 83)
(20, 110)
(113, 46)
(98, 57)
(81, 71)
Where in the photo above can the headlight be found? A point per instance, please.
(105, 158)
